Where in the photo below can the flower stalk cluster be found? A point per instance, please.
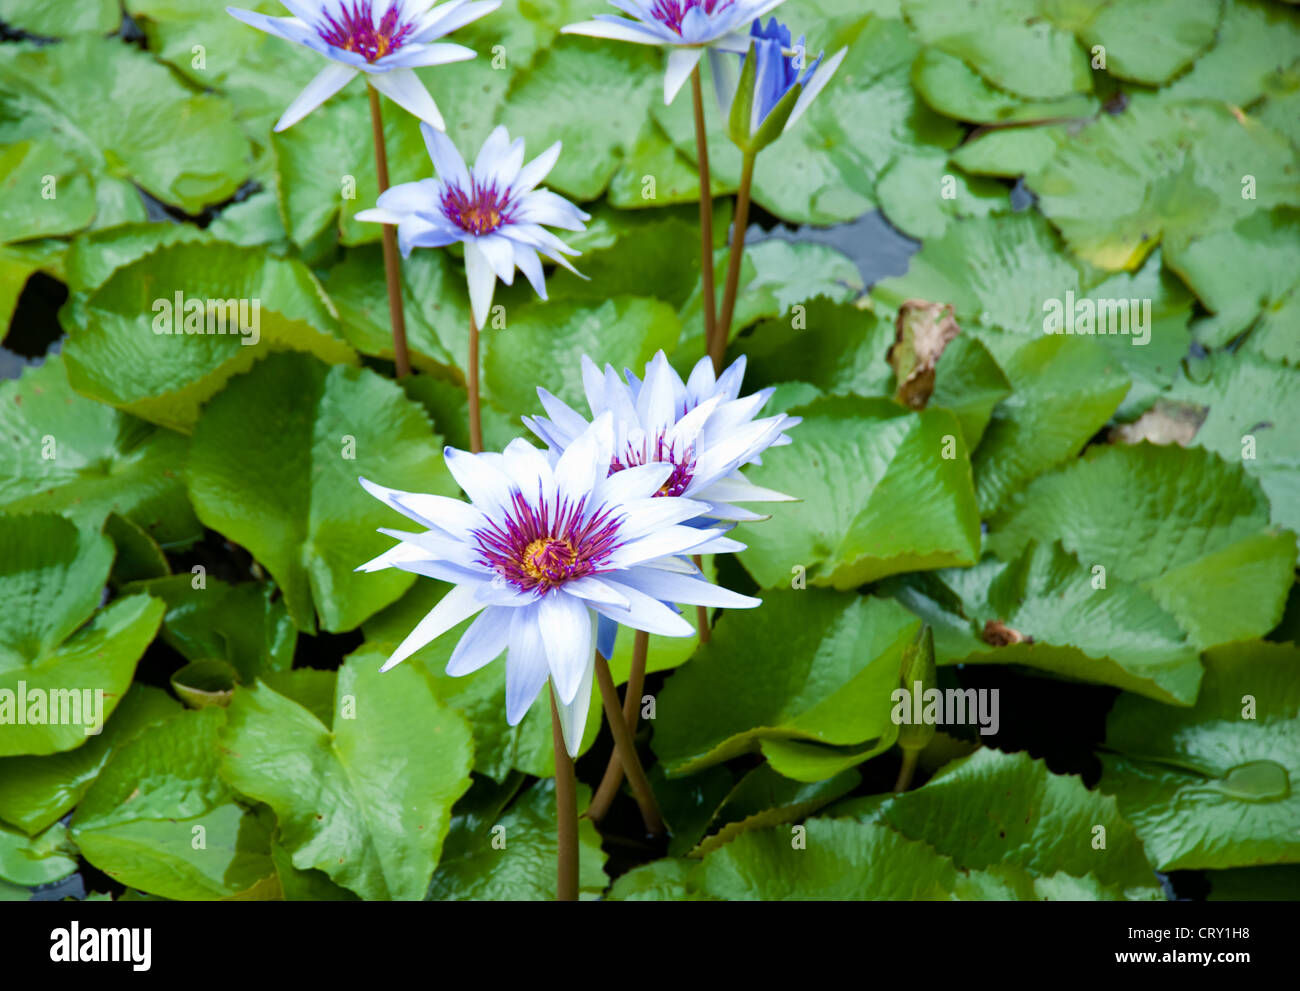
(555, 548)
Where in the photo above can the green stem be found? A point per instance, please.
(626, 749)
(392, 266)
(566, 814)
(604, 796)
(905, 772)
(719, 346)
(706, 215)
(475, 416)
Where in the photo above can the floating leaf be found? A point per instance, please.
(373, 802)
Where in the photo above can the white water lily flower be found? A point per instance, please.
(543, 546)
(385, 41)
(701, 427)
(494, 210)
(688, 27)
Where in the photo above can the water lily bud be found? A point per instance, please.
(918, 675)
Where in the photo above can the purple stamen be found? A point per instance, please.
(354, 30)
(671, 13)
(479, 211)
(683, 464)
(541, 547)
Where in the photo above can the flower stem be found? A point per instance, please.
(702, 612)
(566, 814)
(626, 749)
(718, 345)
(905, 772)
(392, 271)
(706, 214)
(475, 417)
(604, 796)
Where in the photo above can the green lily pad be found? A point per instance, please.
(954, 89)
(495, 855)
(183, 148)
(1214, 786)
(274, 465)
(480, 696)
(809, 665)
(543, 344)
(131, 345)
(35, 860)
(69, 454)
(38, 791)
(884, 490)
(1193, 529)
(373, 805)
(1162, 169)
(1255, 39)
(40, 18)
(1064, 391)
(245, 625)
(992, 809)
(158, 818)
(1011, 43)
(1251, 402)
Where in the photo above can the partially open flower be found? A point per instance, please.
(543, 546)
(701, 427)
(688, 27)
(494, 210)
(776, 84)
(385, 39)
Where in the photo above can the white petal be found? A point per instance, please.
(646, 516)
(566, 419)
(446, 18)
(617, 29)
(328, 81)
(669, 540)
(538, 169)
(737, 488)
(413, 55)
(454, 607)
(482, 282)
(573, 716)
(565, 625)
(526, 668)
(487, 487)
(500, 254)
(530, 263)
(637, 482)
(681, 63)
(392, 558)
(579, 466)
(669, 587)
(815, 85)
(595, 590)
(404, 88)
(645, 613)
(447, 161)
(655, 406)
(482, 643)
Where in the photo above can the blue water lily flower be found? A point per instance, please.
(543, 546)
(779, 67)
(688, 27)
(702, 427)
(386, 40)
(494, 210)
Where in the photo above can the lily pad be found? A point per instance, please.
(373, 804)
(809, 665)
(274, 465)
(884, 490)
(1214, 786)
